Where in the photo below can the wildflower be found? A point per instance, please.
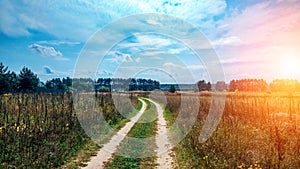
(7, 94)
(241, 166)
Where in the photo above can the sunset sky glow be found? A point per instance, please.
(253, 39)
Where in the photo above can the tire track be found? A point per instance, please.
(104, 155)
(164, 158)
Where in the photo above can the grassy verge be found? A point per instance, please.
(121, 123)
(82, 156)
(187, 156)
(144, 128)
(91, 148)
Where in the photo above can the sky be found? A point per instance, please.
(250, 38)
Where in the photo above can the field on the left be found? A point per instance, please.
(41, 130)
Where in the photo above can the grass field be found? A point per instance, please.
(42, 130)
(257, 130)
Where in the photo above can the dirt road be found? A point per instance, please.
(105, 153)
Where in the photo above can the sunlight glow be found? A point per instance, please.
(290, 66)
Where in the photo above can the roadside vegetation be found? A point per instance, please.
(42, 130)
(257, 131)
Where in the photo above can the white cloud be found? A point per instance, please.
(152, 22)
(47, 51)
(195, 67)
(148, 40)
(176, 50)
(152, 53)
(170, 65)
(168, 50)
(58, 42)
(64, 19)
(138, 59)
(263, 22)
(104, 72)
(10, 24)
(119, 57)
(232, 40)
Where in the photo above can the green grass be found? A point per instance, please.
(91, 148)
(82, 156)
(121, 123)
(142, 129)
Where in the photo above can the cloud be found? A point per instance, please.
(241, 61)
(152, 53)
(152, 22)
(170, 65)
(104, 73)
(176, 50)
(147, 41)
(47, 51)
(249, 39)
(58, 42)
(232, 40)
(195, 67)
(138, 59)
(119, 57)
(48, 70)
(263, 22)
(60, 18)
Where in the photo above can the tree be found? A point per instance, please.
(208, 86)
(28, 81)
(172, 89)
(12, 79)
(202, 86)
(232, 85)
(3, 78)
(284, 85)
(221, 86)
(250, 85)
(8, 80)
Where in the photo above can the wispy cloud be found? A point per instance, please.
(232, 40)
(152, 53)
(263, 22)
(48, 70)
(47, 51)
(170, 65)
(119, 57)
(138, 59)
(36, 15)
(58, 42)
(147, 41)
(195, 67)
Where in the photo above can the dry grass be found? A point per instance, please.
(251, 134)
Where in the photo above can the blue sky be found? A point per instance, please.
(253, 39)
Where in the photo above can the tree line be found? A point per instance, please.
(251, 85)
(27, 81)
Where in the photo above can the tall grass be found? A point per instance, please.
(256, 131)
(42, 130)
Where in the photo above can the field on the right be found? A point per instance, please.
(257, 130)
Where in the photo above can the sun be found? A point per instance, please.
(290, 66)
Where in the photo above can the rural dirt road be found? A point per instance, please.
(106, 152)
(164, 159)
